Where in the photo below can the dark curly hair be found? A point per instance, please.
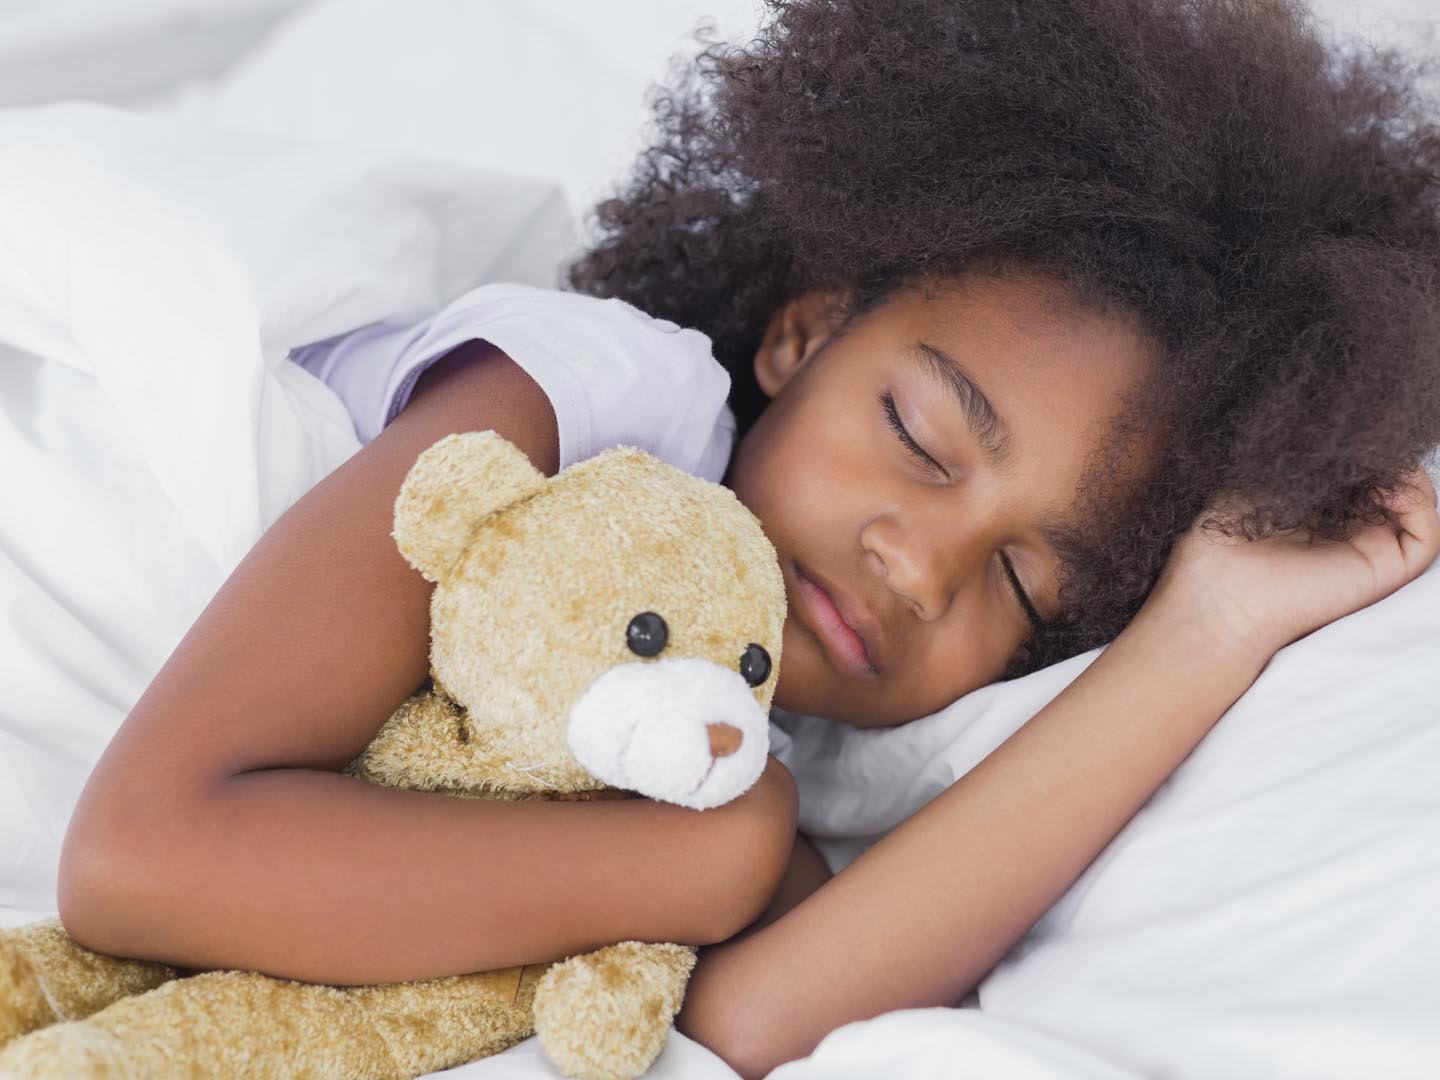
(1268, 208)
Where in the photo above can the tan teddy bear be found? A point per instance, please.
(614, 629)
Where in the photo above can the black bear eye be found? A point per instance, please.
(754, 664)
(647, 634)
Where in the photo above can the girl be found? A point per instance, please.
(1048, 325)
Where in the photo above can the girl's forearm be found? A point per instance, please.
(806, 872)
(922, 916)
(320, 877)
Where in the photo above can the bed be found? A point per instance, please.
(1269, 913)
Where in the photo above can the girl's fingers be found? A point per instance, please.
(1400, 552)
(1419, 536)
(1416, 489)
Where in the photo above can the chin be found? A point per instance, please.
(837, 702)
(828, 706)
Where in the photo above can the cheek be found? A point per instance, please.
(782, 476)
(960, 660)
(799, 678)
(828, 471)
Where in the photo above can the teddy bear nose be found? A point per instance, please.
(681, 729)
(725, 739)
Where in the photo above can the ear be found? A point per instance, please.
(452, 487)
(795, 333)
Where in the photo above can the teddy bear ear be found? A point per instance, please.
(453, 486)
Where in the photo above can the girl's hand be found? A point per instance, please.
(1261, 595)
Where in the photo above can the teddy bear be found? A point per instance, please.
(608, 632)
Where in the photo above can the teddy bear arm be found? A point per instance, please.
(224, 1024)
(429, 744)
(45, 976)
(605, 1015)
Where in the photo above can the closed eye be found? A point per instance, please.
(892, 417)
(1035, 620)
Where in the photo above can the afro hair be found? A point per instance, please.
(1266, 206)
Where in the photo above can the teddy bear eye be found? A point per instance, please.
(647, 634)
(754, 664)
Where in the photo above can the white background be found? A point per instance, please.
(125, 50)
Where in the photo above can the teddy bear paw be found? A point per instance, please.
(23, 1006)
(72, 1051)
(605, 1015)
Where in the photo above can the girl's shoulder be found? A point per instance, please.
(613, 374)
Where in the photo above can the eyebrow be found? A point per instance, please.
(980, 416)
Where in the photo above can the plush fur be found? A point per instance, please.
(536, 581)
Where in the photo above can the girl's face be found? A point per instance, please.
(908, 469)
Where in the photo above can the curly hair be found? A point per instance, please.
(1268, 209)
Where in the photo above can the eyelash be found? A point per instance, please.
(1030, 612)
(892, 417)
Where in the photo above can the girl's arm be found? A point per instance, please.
(216, 831)
(922, 916)
(806, 872)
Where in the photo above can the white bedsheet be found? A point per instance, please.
(681, 1059)
(917, 1044)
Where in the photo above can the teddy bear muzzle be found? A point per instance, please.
(659, 728)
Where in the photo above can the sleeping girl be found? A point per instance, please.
(1022, 328)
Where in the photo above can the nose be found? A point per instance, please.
(725, 739)
(920, 562)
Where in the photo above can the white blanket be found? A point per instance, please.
(153, 278)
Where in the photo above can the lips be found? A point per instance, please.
(847, 633)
